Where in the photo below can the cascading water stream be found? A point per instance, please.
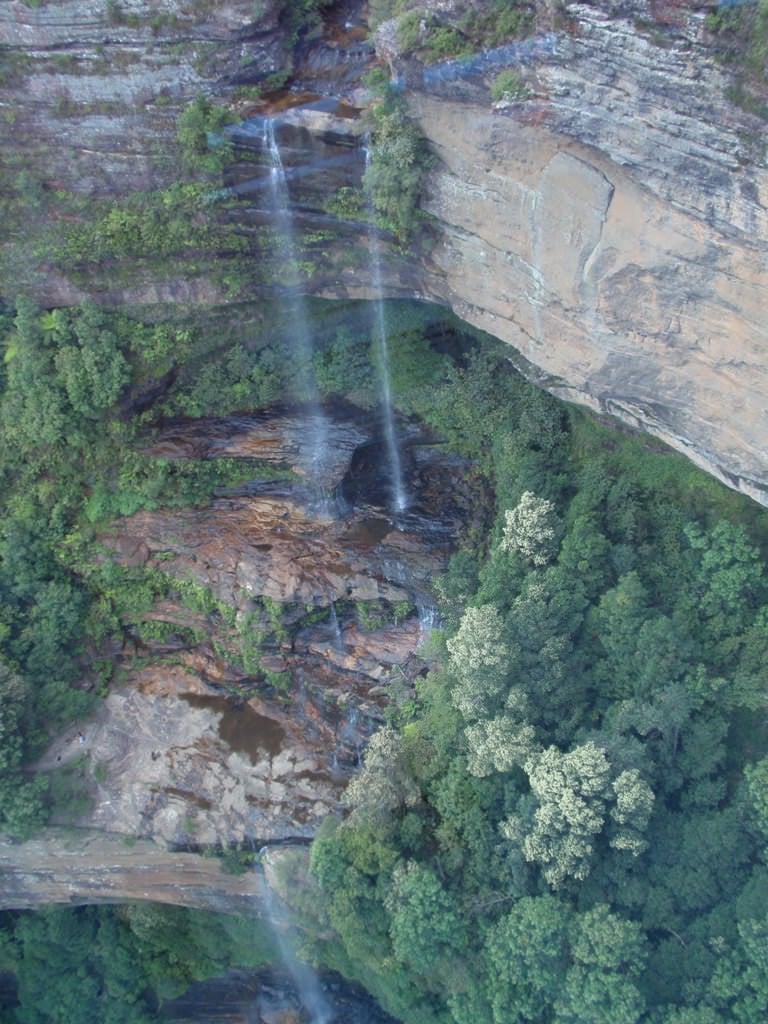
(429, 618)
(301, 338)
(303, 976)
(399, 495)
(336, 634)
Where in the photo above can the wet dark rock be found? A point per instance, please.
(250, 997)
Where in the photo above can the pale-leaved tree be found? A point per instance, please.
(498, 744)
(531, 529)
(575, 797)
(480, 660)
(384, 783)
(630, 813)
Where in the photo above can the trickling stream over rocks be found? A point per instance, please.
(196, 747)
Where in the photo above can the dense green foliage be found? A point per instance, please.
(114, 966)
(71, 432)
(585, 767)
(508, 85)
(740, 38)
(400, 159)
(457, 29)
(199, 135)
(467, 29)
(559, 828)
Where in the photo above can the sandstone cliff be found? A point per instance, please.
(242, 719)
(611, 226)
(78, 866)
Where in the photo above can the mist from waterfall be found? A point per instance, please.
(298, 321)
(336, 634)
(399, 496)
(303, 975)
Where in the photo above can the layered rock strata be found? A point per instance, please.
(202, 744)
(79, 866)
(611, 226)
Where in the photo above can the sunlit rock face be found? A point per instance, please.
(612, 227)
(77, 866)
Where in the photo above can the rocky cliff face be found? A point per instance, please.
(78, 866)
(244, 722)
(611, 226)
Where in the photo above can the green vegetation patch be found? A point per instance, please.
(740, 39)
(115, 965)
(466, 28)
(509, 86)
(400, 160)
(559, 828)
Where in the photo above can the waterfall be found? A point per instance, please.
(303, 976)
(352, 736)
(429, 619)
(299, 331)
(399, 496)
(338, 639)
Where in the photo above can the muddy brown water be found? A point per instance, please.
(242, 728)
(368, 532)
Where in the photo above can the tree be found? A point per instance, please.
(498, 744)
(608, 952)
(424, 926)
(605, 941)
(600, 997)
(739, 985)
(526, 955)
(531, 530)
(94, 370)
(384, 783)
(396, 171)
(198, 133)
(22, 810)
(572, 794)
(630, 813)
(757, 786)
(481, 660)
(728, 575)
(571, 791)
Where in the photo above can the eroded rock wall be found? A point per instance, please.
(613, 228)
(79, 866)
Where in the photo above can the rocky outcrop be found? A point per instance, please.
(177, 760)
(260, 997)
(96, 87)
(613, 228)
(78, 866)
(277, 437)
(272, 545)
(243, 719)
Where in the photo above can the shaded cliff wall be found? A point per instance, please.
(91, 91)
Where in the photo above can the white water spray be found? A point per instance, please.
(301, 339)
(303, 976)
(336, 634)
(399, 495)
